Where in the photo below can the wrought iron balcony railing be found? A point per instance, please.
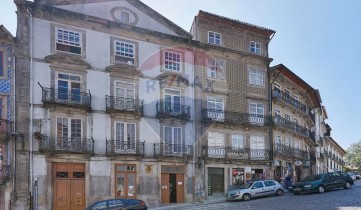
(211, 115)
(235, 153)
(276, 93)
(66, 97)
(5, 172)
(117, 147)
(66, 145)
(173, 150)
(288, 151)
(124, 104)
(289, 125)
(173, 110)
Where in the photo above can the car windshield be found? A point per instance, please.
(312, 178)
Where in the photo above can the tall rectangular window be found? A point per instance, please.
(124, 52)
(255, 47)
(256, 111)
(256, 77)
(172, 61)
(2, 63)
(214, 38)
(258, 143)
(216, 69)
(216, 144)
(68, 87)
(215, 108)
(173, 138)
(68, 133)
(278, 141)
(68, 41)
(172, 101)
(237, 141)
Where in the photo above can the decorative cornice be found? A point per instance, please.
(62, 59)
(124, 69)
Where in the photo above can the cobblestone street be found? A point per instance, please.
(336, 199)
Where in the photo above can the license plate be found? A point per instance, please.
(297, 189)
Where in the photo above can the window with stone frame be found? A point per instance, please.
(256, 77)
(124, 16)
(172, 61)
(68, 41)
(214, 38)
(173, 138)
(255, 47)
(256, 111)
(124, 52)
(216, 68)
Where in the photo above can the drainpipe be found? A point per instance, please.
(31, 99)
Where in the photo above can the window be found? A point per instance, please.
(269, 183)
(2, 63)
(125, 181)
(68, 41)
(124, 16)
(124, 93)
(296, 98)
(288, 141)
(278, 141)
(214, 38)
(295, 120)
(277, 89)
(256, 111)
(258, 144)
(255, 47)
(68, 134)
(173, 139)
(287, 93)
(215, 108)
(216, 144)
(237, 141)
(257, 185)
(172, 101)
(277, 112)
(288, 117)
(68, 87)
(256, 77)
(124, 52)
(172, 61)
(125, 136)
(216, 69)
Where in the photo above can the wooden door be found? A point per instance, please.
(180, 188)
(61, 195)
(77, 194)
(165, 188)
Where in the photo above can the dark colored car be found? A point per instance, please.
(118, 204)
(322, 182)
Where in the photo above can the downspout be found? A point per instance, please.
(270, 131)
(14, 123)
(31, 99)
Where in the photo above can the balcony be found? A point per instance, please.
(127, 148)
(288, 151)
(210, 115)
(282, 96)
(292, 126)
(125, 105)
(66, 145)
(173, 150)
(5, 173)
(169, 110)
(66, 97)
(236, 154)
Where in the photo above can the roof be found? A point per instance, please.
(234, 23)
(333, 140)
(313, 93)
(4, 33)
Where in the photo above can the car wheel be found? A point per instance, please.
(246, 197)
(347, 186)
(321, 189)
(279, 192)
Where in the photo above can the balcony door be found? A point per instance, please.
(172, 101)
(216, 145)
(256, 111)
(68, 134)
(125, 94)
(68, 87)
(257, 147)
(173, 140)
(215, 107)
(125, 140)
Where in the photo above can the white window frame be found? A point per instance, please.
(256, 111)
(121, 16)
(278, 141)
(124, 50)
(69, 126)
(76, 43)
(237, 141)
(215, 114)
(216, 68)
(177, 147)
(124, 88)
(255, 144)
(217, 148)
(256, 77)
(127, 144)
(216, 40)
(296, 98)
(255, 47)
(69, 88)
(172, 64)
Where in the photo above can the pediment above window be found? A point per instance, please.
(173, 79)
(64, 60)
(124, 70)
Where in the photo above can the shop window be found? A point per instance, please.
(125, 181)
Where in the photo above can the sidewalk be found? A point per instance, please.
(184, 205)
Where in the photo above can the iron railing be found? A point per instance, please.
(276, 93)
(172, 150)
(66, 145)
(173, 110)
(289, 151)
(292, 126)
(211, 115)
(238, 154)
(5, 172)
(67, 97)
(124, 104)
(117, 147)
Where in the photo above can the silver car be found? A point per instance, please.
(256, 189)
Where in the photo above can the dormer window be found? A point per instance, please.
(124, 52)
(124, 16)
(68, 41)
(255, 47)
(214, 38)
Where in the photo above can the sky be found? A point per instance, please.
(320, 41)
